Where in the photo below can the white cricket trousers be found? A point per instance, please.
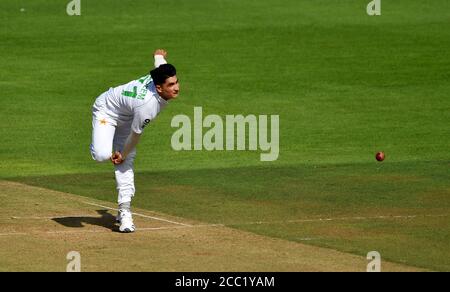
(105, 138)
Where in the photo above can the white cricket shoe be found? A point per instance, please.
(126, 221)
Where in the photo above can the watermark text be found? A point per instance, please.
(74, 8)
(374, 8)
(227, 134)
(74, 264)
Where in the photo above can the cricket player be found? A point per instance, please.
(119, 118)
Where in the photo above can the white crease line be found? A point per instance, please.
(336, 219)
(244, 223)
(182, 226)
(141, 215)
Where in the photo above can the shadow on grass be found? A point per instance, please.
(106, 220)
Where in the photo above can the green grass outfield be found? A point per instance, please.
(345, 85)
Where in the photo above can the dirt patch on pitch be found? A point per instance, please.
(38, 227)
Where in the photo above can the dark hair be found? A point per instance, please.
(160, 74)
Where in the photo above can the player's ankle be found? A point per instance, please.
(125, 206)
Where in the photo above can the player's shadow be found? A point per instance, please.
(106, 220)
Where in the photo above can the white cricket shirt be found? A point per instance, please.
(136, 102)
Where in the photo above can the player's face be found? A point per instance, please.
(170, 89)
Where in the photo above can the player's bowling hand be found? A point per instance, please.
(117, 158)
(160, 52)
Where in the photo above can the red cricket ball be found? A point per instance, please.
(380, 156)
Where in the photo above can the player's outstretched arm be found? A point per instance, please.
(160, 57)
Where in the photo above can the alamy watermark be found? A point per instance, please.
(375, 262)
(74, 264)
(74, 8)
(374, 8)
(227, 134)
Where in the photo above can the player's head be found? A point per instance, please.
(166, 81)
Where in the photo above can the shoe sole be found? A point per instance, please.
(127, 231)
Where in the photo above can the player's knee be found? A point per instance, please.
(100, 155)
